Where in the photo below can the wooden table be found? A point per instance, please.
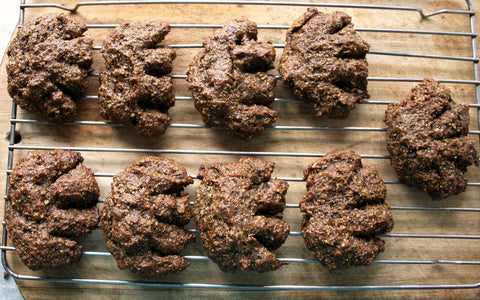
(92, 138)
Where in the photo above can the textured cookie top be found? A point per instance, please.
(324, 62)
(135, 88)
(49, 60)
(343, 210)
(427, 140)
(144, 215)
(228, 78)
(235, 211)
(51, 199)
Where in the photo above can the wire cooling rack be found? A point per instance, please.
(461, 215)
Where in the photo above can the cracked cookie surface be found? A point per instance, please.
(344, 209)
(144, 214)
(427, 138)
(324, 62)
(237, 211)
(228, 79)
(49, 60)
(135, 88)
(51, 200)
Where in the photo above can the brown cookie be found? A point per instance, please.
(427, 140)
(135, 88)
(144, 214)
(237, 211)
(49, 60)
(51, 200)
(344, 209)
(228, 79)
(324, 62)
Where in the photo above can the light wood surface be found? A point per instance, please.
(318, 141)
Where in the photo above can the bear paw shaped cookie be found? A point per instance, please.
(49, 61)
(324, 62)
(344, 209)
(427, 138)
(237, 211)
(144, 214)
(135, 88)
(51, 200)
(230, 86)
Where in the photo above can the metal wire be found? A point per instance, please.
(263, 3)
(476, 81)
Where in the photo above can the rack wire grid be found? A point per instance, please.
(450, 224)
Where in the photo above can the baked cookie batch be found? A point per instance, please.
(238, 207)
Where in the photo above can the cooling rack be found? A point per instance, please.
(433, 245)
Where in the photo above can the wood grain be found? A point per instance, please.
(291, 113)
